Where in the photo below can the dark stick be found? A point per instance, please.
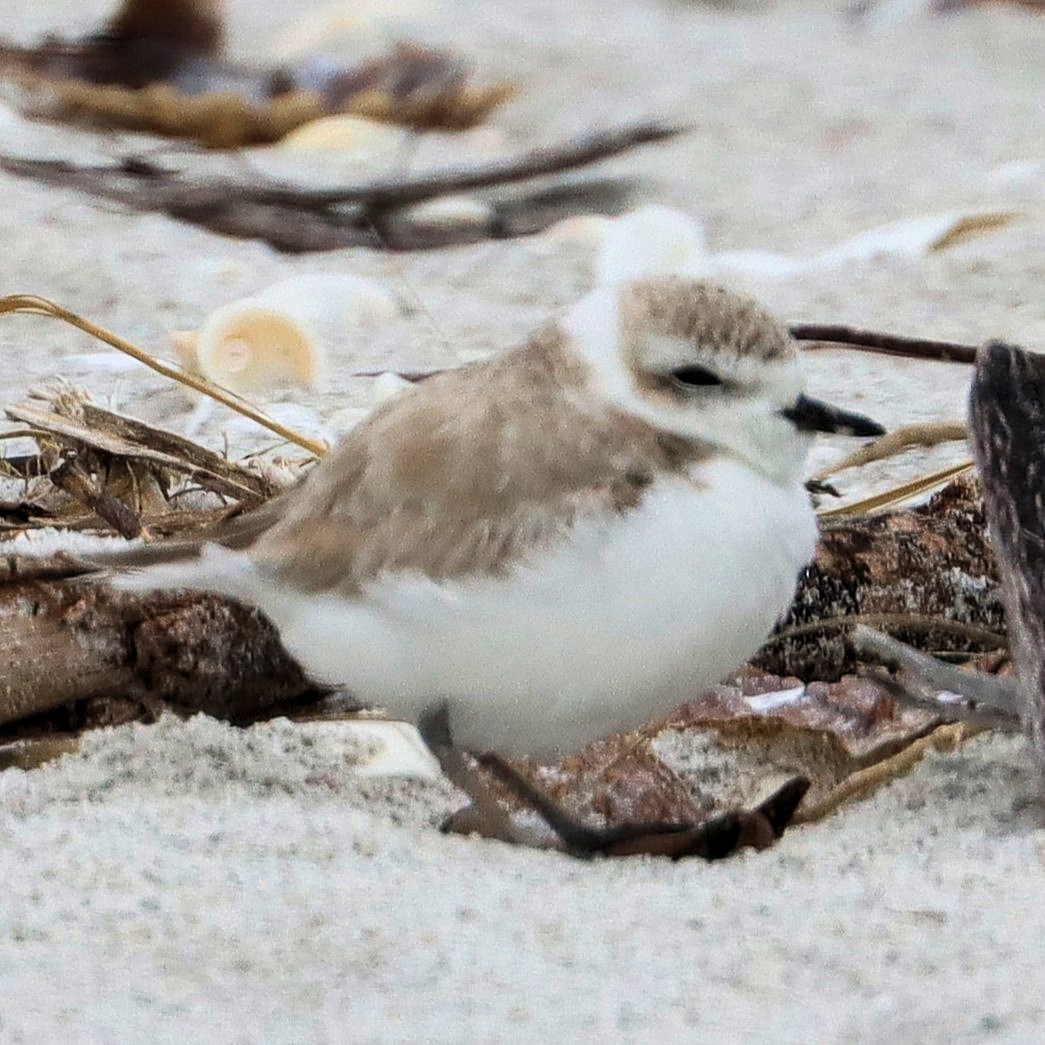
(71, 477)
(296, 220)
(172, 193)
(829, 334)
(553, 159)
(885, 344)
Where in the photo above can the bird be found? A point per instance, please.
(554, 544)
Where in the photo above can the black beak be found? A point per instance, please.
(811, 415)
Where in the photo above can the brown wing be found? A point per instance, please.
(469, 472)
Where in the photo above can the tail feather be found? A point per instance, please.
(236, 533)
(216, 569)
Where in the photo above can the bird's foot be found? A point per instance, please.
(712, 839)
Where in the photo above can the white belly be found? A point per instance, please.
(631, 618)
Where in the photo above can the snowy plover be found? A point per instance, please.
(560, 542)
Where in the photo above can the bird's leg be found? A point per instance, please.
(711, 839)
(485, 816)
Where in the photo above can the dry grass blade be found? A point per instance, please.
(865, 782)
(32, 305)
(929, 433)
(975, 225)
(898, 494)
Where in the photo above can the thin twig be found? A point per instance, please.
(911, 621)
(999, 694)
(186, 197)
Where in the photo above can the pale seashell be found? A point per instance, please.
(450, 212)
(277, 337)
(248, 346)
(585, 229)
(779, 698)
(184, 344)
(336, 301)
(396, 750)
(652, 241)
(914, 237)
(1016, 172)
(363, 138)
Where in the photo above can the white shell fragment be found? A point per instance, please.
(779, 698)
(398, 750)
(450, 212)
(913, 237)
(347, 22)
(387, 386)
(278, 337)
(652, 241)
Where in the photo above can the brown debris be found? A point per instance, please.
(718, 767)
(927, 576)
(832, 335)
(158, 67)
(97, 460)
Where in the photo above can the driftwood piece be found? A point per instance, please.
(75, 480)
(64, 642)
(1007, 416)
(298, 220)
(927, 576)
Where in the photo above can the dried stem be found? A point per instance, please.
(299, 220)
(896, 494)
(928, 433)
(990, 690)
(885, 344)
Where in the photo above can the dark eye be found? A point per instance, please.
(695, 377)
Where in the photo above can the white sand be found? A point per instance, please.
(194, 882)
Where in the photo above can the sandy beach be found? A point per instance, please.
(193, 881)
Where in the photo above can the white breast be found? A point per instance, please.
(630, 618)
